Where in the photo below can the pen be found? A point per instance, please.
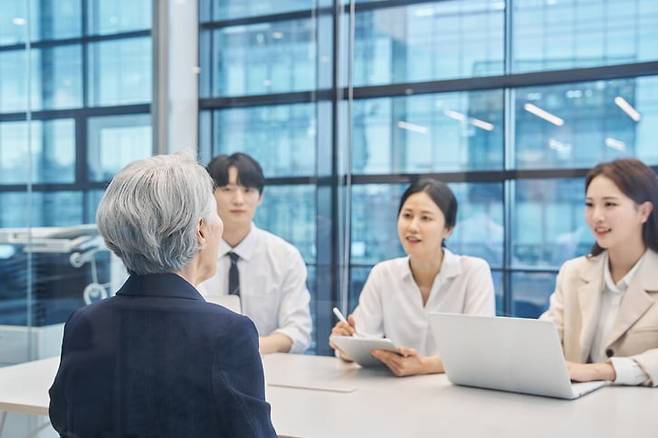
(340, 317)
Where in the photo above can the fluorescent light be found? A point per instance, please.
(558, 146)
(543, 114)
(455, 115)
(277, 35)
(482, 124)
(424, 12)
(627, 108)
(412, 127)
(19, 21)
(615, 144)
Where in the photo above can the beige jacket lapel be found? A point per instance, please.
(636, 301)
(589, 299)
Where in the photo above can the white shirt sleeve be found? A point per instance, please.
(294, 318)
(480, 296)
(628, 371)
(368, 314)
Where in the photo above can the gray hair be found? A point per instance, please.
(149, 213)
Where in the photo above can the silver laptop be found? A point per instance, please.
(508, 354)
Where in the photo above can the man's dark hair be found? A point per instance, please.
(250, 174)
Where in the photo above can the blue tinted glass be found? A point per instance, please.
(563, 34)
(264, 58)
(229, 9)
(56, 81)
(48, 209)
(531, 293)
(429, 41)
(548, 225)
(93, 198)
(113, 16)
(289, 212)
(579, 125)
(50, 19)
(13, 83)
(478, 231)
(120, 72)
(115, 141)
(281, 137)
(428, 133)
(52, 147)
(499, 291)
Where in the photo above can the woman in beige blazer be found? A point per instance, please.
(605, 305)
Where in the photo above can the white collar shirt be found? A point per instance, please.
(273, 291)
(627, 370)
(391, 305)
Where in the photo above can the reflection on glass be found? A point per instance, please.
(263, 58)
(550, 35)
(105, 17)
(579, 125)
(55, 80)
(281, 137)
(531, 292)
(52, 19)
(498, 291)
(478, 232)
(312, 285)
(429, 41)
(93, 199)
(48, 209)
(120, 72)
(428, 133)
(289, 212)
(115, 141)
(51, 150)
(548, 224)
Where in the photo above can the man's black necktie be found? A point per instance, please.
(234, 275)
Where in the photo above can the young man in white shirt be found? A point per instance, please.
(265, 271)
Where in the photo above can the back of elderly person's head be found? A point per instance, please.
(150, 212)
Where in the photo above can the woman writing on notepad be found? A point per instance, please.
(400, 293)
(605, 305)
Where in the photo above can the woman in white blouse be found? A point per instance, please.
(400, 293)
(605, 305)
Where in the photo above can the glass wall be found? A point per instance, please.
(75, 95)
(510, 102)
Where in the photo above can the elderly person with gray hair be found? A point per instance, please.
(157, 360)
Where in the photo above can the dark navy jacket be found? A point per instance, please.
(157, 360)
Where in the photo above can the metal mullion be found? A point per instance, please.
(263, 19)
(544, 78)
(363, 7)
(519, 80)
(72, 113)
(54, 187)
(44, 44)
(508, 160)
(266, 99)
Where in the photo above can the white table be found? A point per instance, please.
(352, 402)
(382, 405)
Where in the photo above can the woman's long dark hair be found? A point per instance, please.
(637, 181)
(440, 193)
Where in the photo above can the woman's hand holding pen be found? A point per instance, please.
(346, 327)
